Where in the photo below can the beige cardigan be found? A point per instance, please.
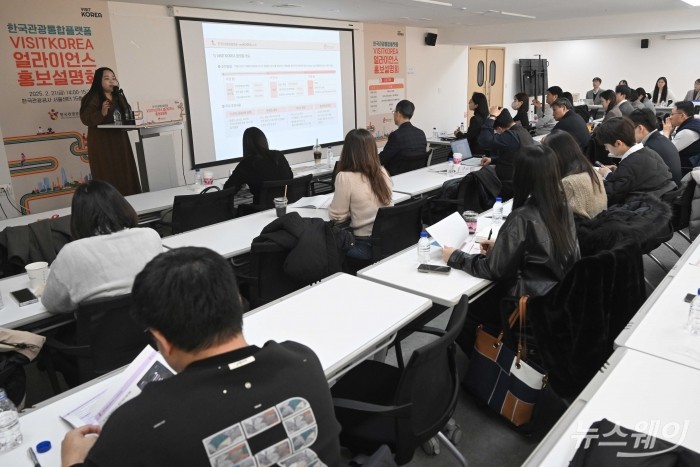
(354, 198)
(585, 200)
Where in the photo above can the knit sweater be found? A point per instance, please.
(354, 198)
(584, 199)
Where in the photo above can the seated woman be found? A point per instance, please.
(106, 253)
(535, 247)
(479, 105)
(259, 164)
(583, 187)
(521, 104)
(608, 101)
(362, 186)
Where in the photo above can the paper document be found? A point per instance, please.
(451, 231)
(318, 202)
(148, 367)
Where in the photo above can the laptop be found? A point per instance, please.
(588, 101)
(461, 146)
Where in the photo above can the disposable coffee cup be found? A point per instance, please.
(37, 272)
(457, 158)
(208, 178)
(470, 217)
(281, 206)
(317, 157)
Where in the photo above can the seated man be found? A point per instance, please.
(621, 102)
(684, 132)
(639, 170)
(570, 122)
(594, 94)
(504, 144)
(249, 399)
(645, 132)
(545, 120)
(405, 142)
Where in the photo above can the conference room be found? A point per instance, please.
(157, 51)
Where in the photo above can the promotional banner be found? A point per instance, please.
(385, 75)
(50, 51)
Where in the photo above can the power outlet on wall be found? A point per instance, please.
(6, 188)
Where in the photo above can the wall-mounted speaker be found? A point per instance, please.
(430, 38)
(645, 43)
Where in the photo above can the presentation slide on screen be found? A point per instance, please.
(289, 82)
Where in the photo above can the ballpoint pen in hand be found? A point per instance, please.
(490, 233)
(33, 458)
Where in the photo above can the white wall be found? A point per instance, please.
(573, 64)
(436, 82)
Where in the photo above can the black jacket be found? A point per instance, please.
(573, 124)
(523, 255)
(405, 141)
(254, 170)
(692, 124)
(643, 171)
(504, 147)
(472, 134)
(316, 247)
(668, 152)
(522, 117)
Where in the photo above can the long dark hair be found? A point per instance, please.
(525, 99)
(255, 142)
(96, 88)
(655, 99)
(99, 209)
(570, 157)
(536, 178)
(608, 95)
(482, 104)
(359, 154)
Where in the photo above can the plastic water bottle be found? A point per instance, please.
(424, 248)
(329, 157)
(694, 315)
(117, 117)
(461, 127)
(435, 133)
(497, 212)
(450, 167)
(197, 179)
(10, 434)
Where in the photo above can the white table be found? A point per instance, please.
(13, 316)
(636, 390)
(418, 182)
(232, 238)
(658, 328)
(341, 328)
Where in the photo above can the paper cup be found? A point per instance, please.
(37, 272)
(208, 178)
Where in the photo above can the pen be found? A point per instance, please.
(490, 232)
(33, 458)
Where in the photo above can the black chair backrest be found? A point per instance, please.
(396, 227)
(440, 154)
(114, 338)
(296, 188)
(429, 383)
(194, 211)
(402, 163)
(270, 281)
(583, 111)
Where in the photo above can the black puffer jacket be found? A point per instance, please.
(522, 255)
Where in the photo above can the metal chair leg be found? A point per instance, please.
(453, 449)
(654, 259)
(673, 249)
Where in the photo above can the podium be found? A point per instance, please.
(157, 171)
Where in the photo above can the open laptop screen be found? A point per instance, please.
(462, 146)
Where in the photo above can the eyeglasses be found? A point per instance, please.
(676, 113)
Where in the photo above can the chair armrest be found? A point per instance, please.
(74, 350)
(403, 411)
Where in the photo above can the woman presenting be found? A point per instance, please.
(109, 150)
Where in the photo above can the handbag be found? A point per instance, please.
(502, 378)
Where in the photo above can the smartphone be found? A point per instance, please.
(434, 268)
(689, 297)
(24, 297)
(598, 164)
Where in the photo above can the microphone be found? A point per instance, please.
(116, 90)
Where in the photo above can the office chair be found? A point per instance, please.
(325, 185)
(106, 338)
(296, 188)
(476, 191)
(268, 281)
(190, 212)
(405, 163)
(439, 155)
(377, 403)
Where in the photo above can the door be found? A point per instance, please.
(486, 73)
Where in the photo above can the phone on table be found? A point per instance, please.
(689, 297)
(434, 268)
(24, 297)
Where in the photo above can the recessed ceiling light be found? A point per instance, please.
(692, 2)
(434, 2)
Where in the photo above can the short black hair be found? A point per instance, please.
(98, 209)
(616, 128)
(555, 90)
(622, 89)
(686, 107)
(597, 79)
(563, 102)
(503, 120)
(406, 108)
(567, 95)
(644, 117)
(189, 295)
